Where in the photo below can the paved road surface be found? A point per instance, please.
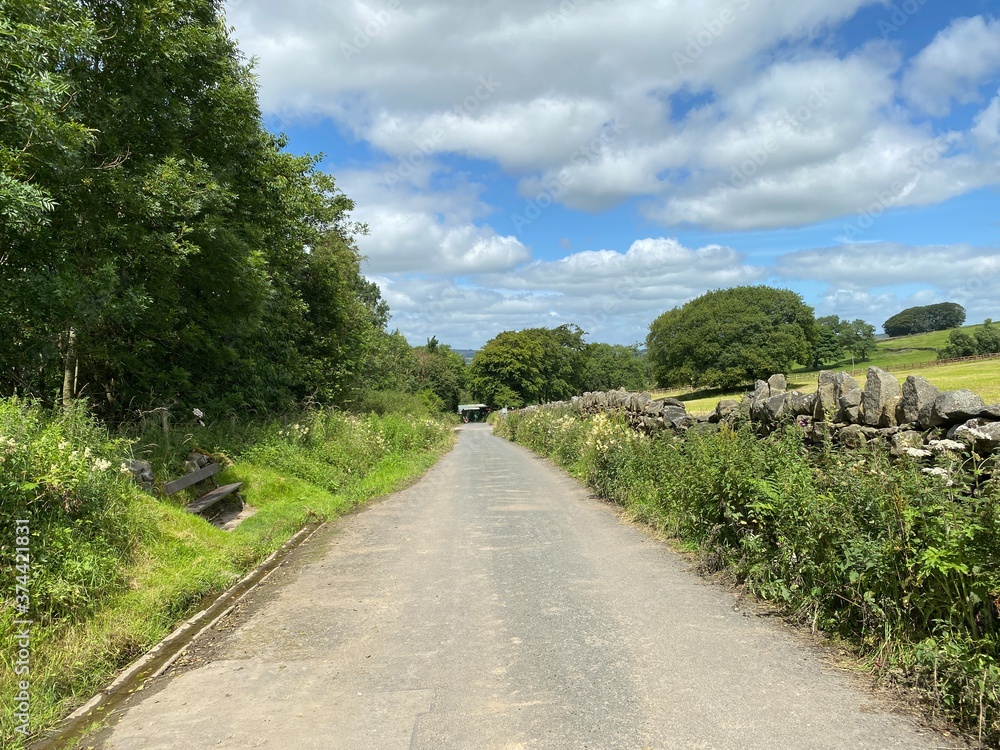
(495, 605)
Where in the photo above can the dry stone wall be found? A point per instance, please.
(914, 417)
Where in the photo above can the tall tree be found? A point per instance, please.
(729, 337)
(440, 370)
(534, 365)
(829, 346)
(858, 338)
(185, 257)
(609, 367)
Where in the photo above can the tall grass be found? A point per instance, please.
(113, 569)
(900, 563)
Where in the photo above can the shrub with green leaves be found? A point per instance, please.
(64, 474)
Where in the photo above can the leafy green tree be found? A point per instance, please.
(159, 247)
(922, 319)
(829, 345)
(42, 138)
(508, 370)
(988, 338)
(562, 360)
(535, 365)
(729, 337)
(960, 344)
(609, 367)
(858, 338)
(441, 370)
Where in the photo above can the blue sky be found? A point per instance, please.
(536, 162)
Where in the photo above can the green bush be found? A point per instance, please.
(905, 565)
(64, 474)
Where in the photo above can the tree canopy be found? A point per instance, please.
(939, 317)
(834, 337)
(612, 366)
(531, 366)
(729, 337)
(158, 246)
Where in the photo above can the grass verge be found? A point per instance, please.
(112, 569)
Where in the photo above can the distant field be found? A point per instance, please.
(981, 377)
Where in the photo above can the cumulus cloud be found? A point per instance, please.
(729, 115)
(434, 232)
(876, 280)
(954, 65)
(877, 265)
(612, 295)
(986, 129)
(616, 295)
(791, 134)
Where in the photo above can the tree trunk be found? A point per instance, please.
(69, 368)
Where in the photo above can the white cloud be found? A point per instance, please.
(434, 232)
(875, 281)
(954, 65)
(879, 265)
(612, 295)
(986, 130)
(615, 296)
(791, 133)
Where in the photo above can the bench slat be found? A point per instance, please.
(193, 478)
(211, 498)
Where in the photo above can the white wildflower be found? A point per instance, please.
(918, 452)
(101, 465)
(946, 445)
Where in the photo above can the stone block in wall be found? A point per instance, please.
(852, 436)
(817, 432)
(761, 390)
(142, 473)
(918, 395)
(776, 408)
(850, 405)
(801, 404)
(905, 439)
(991, 411)
(849, 396)
(982, 434)
(952, 407)
(676, 417)
(881, 396)
(777, 384)
(724, 409)
(672, 402)
(827, 407)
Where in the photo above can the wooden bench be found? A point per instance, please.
(210, 498)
